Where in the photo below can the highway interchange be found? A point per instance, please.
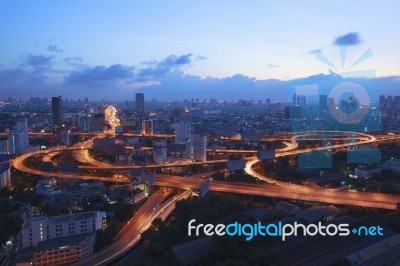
(161, 203)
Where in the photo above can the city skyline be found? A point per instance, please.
(191, 49)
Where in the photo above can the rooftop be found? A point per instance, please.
(63, 242)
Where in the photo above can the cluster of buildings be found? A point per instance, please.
(58, 240)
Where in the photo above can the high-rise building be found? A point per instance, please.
(294, 100)
(382, 102)
(198, 147)
(396, 103)
(21, 126)
(303, 100)
(18, 138)
(331, 103)
(5, 174)
(56, 110)
(323, 102)
(182, 130)
(159, 154)
(147, 127)
(389, 102)
(298, 100)
(139, 98)
(4, 145)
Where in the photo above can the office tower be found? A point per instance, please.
(389, 102)
(5, 174)
(303, 100)
(147, 127)
(86, 100)
(18, 138)
(323, 102)
(298, 100)
(396, 103)
(182, 130)
(268, 101)
(4, 145)
(331, 103)
(159, 154)
(382, 102)
(139, 98)
(198, 147)
(294, 100)
(56, 110)
(21, 126)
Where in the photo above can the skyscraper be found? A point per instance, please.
(18, 138)
(331, 103)
(139, 98)
(56, 110)
(382, 102)
(389, 102)
(396, 103)
(323, 102)
(303, 100)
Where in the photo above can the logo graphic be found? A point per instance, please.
(279, 229)
(337, 105)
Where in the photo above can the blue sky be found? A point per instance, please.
(81, 47)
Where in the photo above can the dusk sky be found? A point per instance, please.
(109, 49)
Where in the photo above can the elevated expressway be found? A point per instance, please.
(161, 203)
(279, 189)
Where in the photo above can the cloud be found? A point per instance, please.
(351, 38)
(73, 59)
(272, 65)
(315, 51)
(100, 75)
(37, 60)
(54, 49)
(149, 62)
(19, 82)
(172, 64)
(180, 60)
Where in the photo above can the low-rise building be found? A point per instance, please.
(318, 213)
(393, 164)
(330, 180)
(64, 250)
(41, 228)
(287, 207)
(363, 171)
